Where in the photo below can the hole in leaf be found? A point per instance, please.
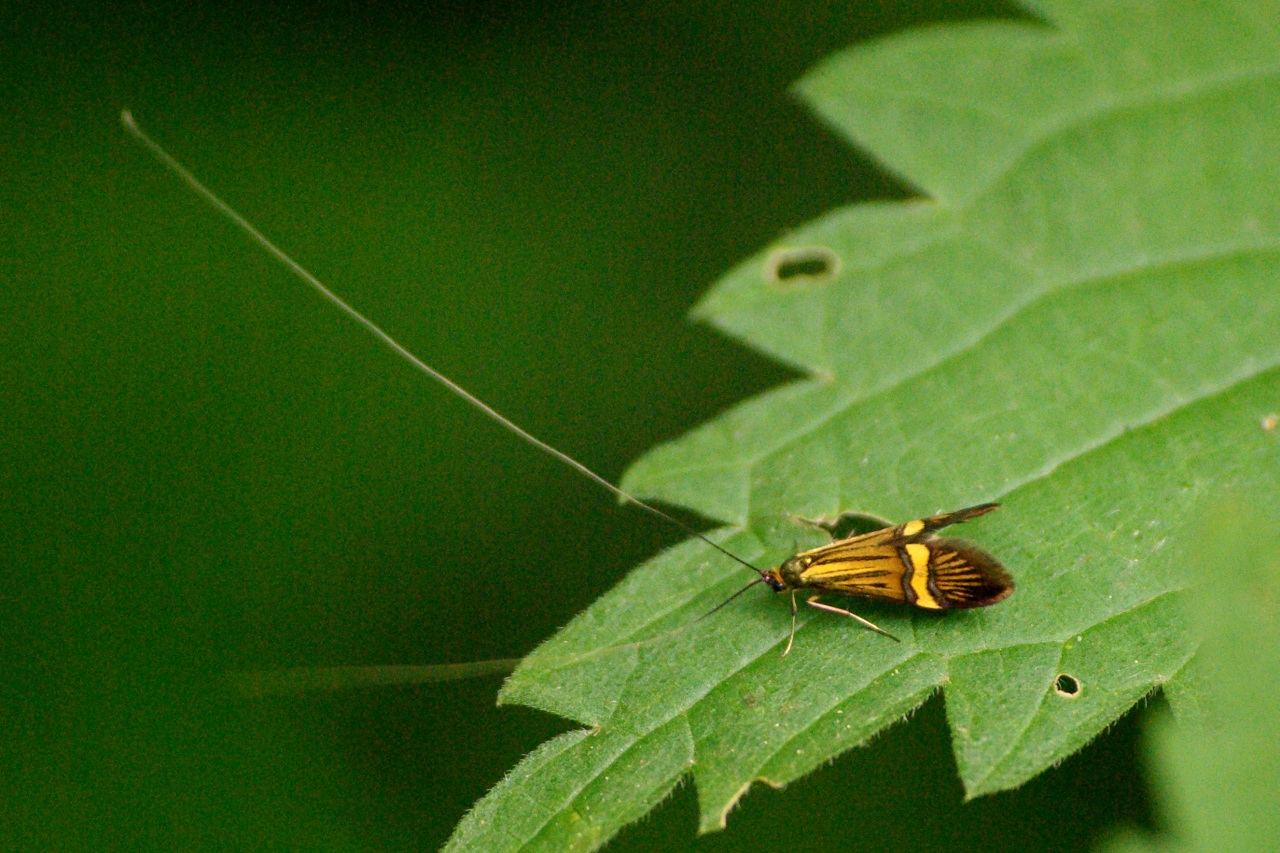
(796, 266)
(1067, 685)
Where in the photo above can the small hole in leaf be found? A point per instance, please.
(1067, 685)
(796, 266)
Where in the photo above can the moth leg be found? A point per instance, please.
(792, 638)
(813, 602)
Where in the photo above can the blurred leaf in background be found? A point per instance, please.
(1215, 777)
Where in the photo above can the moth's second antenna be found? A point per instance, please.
(131, 126)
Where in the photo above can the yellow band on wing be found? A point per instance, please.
(919, 555)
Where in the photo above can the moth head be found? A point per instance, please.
(773, 580)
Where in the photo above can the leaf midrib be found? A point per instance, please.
(1186, 89)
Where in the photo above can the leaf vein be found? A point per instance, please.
(1181, 90)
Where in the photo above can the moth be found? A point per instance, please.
(905, 564)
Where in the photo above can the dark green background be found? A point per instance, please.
(208, 469)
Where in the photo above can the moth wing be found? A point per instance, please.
(946, 519)
(852, 567)
(962, 576)
(911, 531)
(955, 575)
(921, 529)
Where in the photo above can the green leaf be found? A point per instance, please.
(574, 792)
(1081, 321)
(1216, 781)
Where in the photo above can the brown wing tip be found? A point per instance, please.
(947, 519)
(975, 511)
(996, 591)
(966, 577)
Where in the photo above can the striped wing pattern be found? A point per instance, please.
(909, 564)
(961, 576)
(855, 567)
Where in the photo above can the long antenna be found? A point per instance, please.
(131, 126)
(732, 597)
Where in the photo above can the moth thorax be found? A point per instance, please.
(790, 570)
